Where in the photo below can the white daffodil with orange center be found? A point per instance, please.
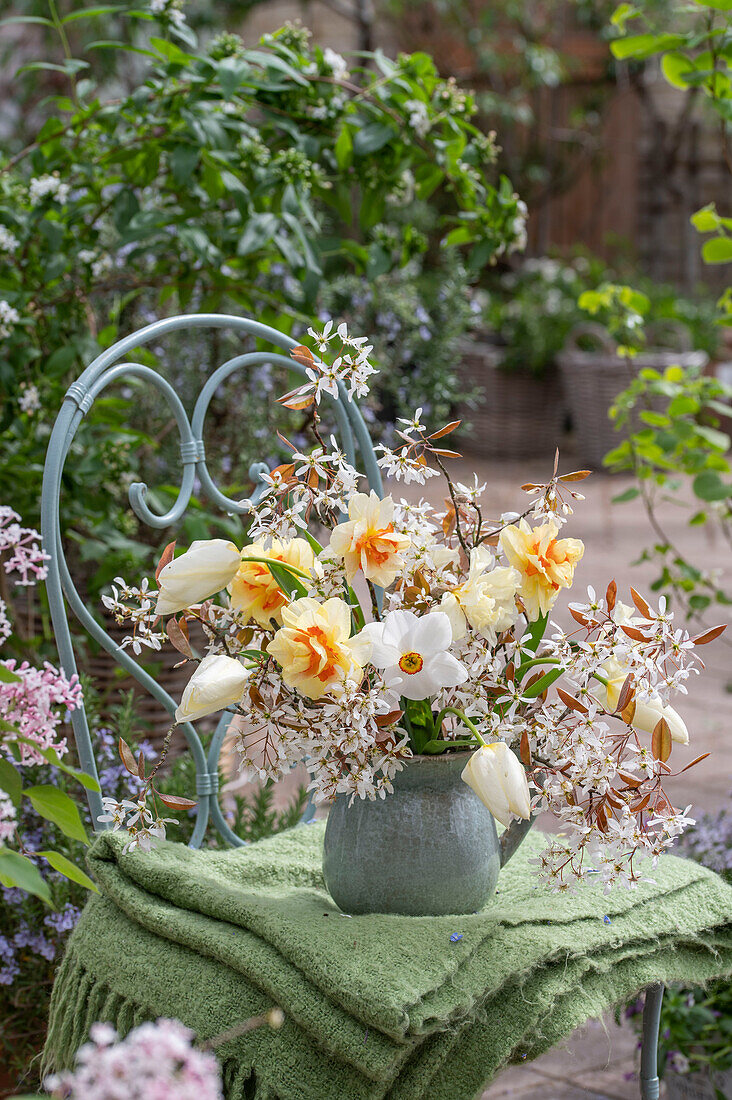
(254, 591)
(545, 563)
(411, 650)
(314, 647)
(485, 600)
(368, 541)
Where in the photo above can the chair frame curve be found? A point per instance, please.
(111, 366)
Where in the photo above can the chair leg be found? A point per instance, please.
(649, 1083)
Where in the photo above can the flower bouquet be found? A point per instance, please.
(364, 635)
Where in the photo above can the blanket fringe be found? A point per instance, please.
(79, 999)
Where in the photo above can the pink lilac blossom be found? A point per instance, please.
(31, 705)
(156, 1061)
(27, 559)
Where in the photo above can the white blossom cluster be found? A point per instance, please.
(48, 187)
(8, 241)
(132, 604)
(9, 318)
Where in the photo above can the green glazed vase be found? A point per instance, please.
(429, 848)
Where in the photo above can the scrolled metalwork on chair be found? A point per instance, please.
(113, 366)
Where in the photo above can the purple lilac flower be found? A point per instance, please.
(64, 920)
(36, 941)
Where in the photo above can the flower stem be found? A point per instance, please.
(463, 718)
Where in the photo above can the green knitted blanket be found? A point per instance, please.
(376, 1006)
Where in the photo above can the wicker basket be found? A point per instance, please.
(592, 381)
(518, 415)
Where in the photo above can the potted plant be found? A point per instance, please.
(452, 683)
(696, 1024)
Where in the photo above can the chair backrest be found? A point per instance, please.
(112, 366)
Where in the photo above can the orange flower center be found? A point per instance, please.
(324, 657)
(373, 545)
(410, 663)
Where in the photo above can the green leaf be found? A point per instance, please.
(52, 757)
(260, 228)
(706, 220)
(8, 677)
(56, 806)
(17, 870)
(432, 748)
(172, 53)
(534, 634)
(674, 66)
(10, 781)
(372, 137)
(69, 870)
(542, 683)
(644, 45)
(719, 440)
(718, 250)
(287, 582)
(344, 148)
(708, 485)
(90, 13)
(622, 14)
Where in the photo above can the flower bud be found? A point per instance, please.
(648, 712)
(205, 569)
(499, 780)
(217, 682)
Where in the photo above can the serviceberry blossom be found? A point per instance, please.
(156, 1061)
(456, 644)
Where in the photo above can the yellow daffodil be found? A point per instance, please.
(254, 591)
(314, 646)
(545, 563)
(367, 540)
(485, 600)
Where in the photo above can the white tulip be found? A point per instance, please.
(648, 712)
(205, 569)
(499, 780)
(218, 682)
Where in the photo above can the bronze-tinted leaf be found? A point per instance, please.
(389, 719)
(530, 486)
(446, 453)
(611, 595)
(165, 558)
(709, 635)
(698, 760)
(630, 780)
(286, 441)
(627, 693)
(179, 637)
(661, 740)
(313, 479)
(636, 807)
(525, 749)
(601, 818)
(141, 765)
(628, 712)
(303, 356)
(570, 701)
(446, 430)
(285, 471)
(634, 633)
(640, 603)
(256, 697)
(176, 802)
(579, 617)
(576, 475)
(127, 757)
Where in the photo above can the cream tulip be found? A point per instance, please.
(497, 776)
(205, 569)
(218, 682)
(648, 712)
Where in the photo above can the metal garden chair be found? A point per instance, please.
(113, 366)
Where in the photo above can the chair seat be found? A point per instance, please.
(375, 1006)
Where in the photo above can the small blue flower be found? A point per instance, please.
(456, 937)
(606, 920)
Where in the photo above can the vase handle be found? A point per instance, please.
(512, 837)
